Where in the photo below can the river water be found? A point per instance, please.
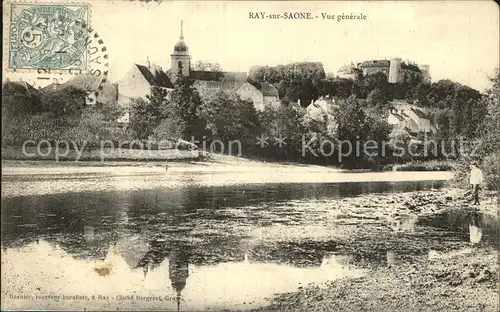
(200, 247)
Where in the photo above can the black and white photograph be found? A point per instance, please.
(250, 156)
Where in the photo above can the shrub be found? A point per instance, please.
(491, 167)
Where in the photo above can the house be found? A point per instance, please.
(100, 90)
(325, 103)
(262, 94)
(138, 81)
(324, 106)
(411, 119)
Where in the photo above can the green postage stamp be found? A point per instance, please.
(48, 36)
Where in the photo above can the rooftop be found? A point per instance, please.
(159, 79)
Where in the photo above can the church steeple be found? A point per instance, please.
(182, 32)
(180, 59)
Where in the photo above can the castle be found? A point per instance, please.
(395, 69)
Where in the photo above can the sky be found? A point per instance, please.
(459, 40)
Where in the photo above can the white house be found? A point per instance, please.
(324, 106)
(410, 118)
(262, 94)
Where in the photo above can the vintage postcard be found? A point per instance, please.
(250, 155)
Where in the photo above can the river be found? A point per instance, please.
(199, 246)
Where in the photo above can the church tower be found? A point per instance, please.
(180, 59)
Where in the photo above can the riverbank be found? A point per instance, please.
(449, 275)
(112, 157)
(429, 165)
(41, 178)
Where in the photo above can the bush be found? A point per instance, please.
(432, 165)
(461, 174)
(491, 170)
(491, 167)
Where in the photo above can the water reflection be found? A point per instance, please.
(472, 225)
(180, 244)
(170, 276)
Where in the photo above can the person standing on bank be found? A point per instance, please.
(476, 179)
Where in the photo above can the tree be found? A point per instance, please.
(355, 128)
(377, 81)
(65, 104)
(19, 102)
(110, 111)
(207, 66)
(146, 115)
(185, 105)
(489, 129)
(283, 122)
(399, 141)
(228, 117)
(297, 81)
(376, 98)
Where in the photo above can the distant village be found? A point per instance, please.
(139, 79)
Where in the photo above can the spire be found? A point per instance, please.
(182, 31)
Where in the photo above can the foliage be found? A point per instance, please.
(20, 129)
(376, 98)
(146, 115)
(169, 129)
(399, 140)
(491, 165)
(110, 111)
(19, 102)
(66, 102)
(486, 130)
(297, 81)
(283, 122)
(490, 133)
(356, 127)
(185, 105)
(94, 127)
(227, 117)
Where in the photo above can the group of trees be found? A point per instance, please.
(456, 109)
(459, 111)
(62, 114)
(225, 117)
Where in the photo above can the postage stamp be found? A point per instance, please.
(48, 36)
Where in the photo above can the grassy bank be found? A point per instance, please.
(430, 165)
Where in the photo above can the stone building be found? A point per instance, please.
(394, 69)
(262, 94)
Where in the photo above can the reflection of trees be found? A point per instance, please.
(82, 224)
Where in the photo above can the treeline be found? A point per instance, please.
(60, 115)
(460, 112)
(456, 109)
(226, 118)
